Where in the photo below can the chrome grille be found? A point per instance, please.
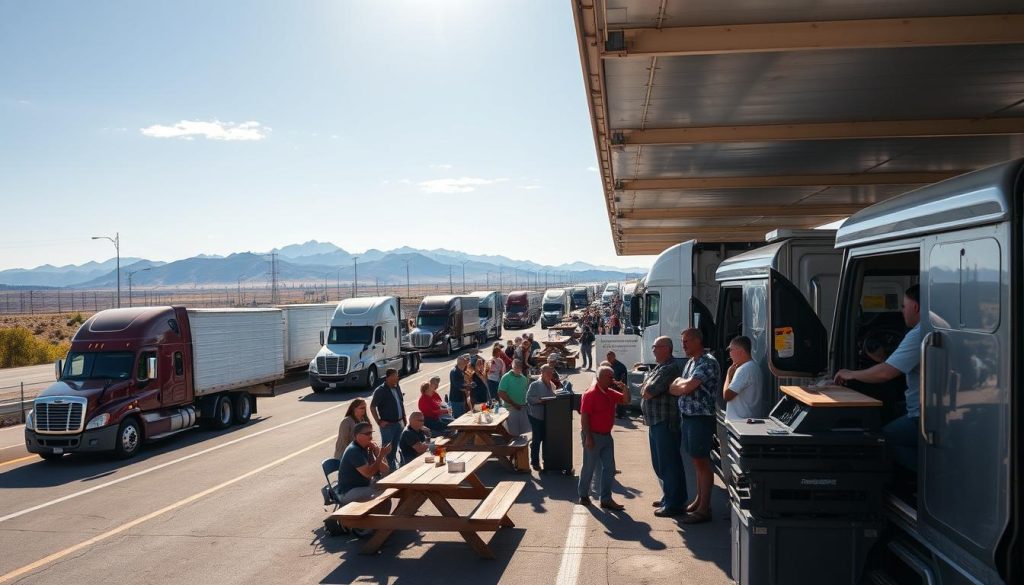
(331, 365)
(422, 339)
(59, 414)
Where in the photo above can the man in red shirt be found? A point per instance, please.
(597, 410)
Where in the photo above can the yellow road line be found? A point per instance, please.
(19, 460)
(15, 574)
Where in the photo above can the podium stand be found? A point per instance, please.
(558, 431)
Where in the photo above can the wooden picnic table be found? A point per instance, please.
(557, 343)
(491, 437)
(567, 329)
(418, 482)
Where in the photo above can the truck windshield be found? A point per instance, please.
(350, 335)
(515, 309)
(549, 307)
(99, 366)
(431, 320)
(485, 312)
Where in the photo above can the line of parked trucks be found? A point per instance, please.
(811, 301)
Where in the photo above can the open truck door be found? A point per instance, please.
(799, 341)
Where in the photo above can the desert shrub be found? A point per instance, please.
(76, 319)
(18, 347)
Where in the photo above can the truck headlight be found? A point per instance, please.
(98, 421)
(312, 367)
(358, 366)
(30, 421)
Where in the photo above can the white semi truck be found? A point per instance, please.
(364, 340)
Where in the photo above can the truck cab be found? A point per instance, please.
(363, 341)
(522, 309)
(580, 297)
(446, 323)
(491, 310)
(555, 306)
(958, 517)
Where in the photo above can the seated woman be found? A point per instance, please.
(362, 463)
(356, 413)
(436, 416)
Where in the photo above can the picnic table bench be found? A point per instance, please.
(491, 437)
(418, 482)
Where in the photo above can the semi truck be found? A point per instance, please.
(554, 307)
(364, 340)
(581, 297)
(959, 517)
(144, 373)
(627, 313)
(446, 323)
(491, 311)
(522, 309)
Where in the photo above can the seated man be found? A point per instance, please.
(900, 434)
(414, 439)
(362, 463)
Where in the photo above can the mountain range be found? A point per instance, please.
(312, 262)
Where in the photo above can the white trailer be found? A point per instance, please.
(236, 348)
(304, 325)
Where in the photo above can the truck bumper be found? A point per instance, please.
(91, 441)
(349, 380)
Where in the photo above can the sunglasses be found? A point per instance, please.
(368, 433)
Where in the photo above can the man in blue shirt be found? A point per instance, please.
(458, 395)
(900, 434)
(387, 406)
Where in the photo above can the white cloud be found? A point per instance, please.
(444, 166)
(215, 130)
(592, 169)
(530, 187)
(460, 185)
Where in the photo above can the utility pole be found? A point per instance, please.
(464, 276)
(273, 278)
(451, 289)
(117, 248)
(132, 273)
(355, 276)
(407, 294)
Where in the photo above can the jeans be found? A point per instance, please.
(458, 408)
(437, 425)
(587, 353)
(537, 427)
(390, 434)
(667, 460)
(492, 389)
(901, 437)
(602, 458)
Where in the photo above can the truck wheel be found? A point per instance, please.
(448, 348)
(243, 408)
(317, 388)
(223, 413)
(404, 370)
(415, 362)
(499, 332)
(371, 377)
(129, 439)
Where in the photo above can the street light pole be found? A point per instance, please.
(117, 248)
(464, 276)
(355, 275)
(132, 273)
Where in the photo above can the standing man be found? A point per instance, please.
(742, 387)
(900, 434)
(696, 389)
(597, 410)
(661, 415)
(512, 392)
(620, 376)
(613, 322)
(458, 394)
(535, 395)
(387, 406)
(587, 346)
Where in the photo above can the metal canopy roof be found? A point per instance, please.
(723, 119)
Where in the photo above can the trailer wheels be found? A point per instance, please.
(243, 408)
(223, 413)
(129, 439)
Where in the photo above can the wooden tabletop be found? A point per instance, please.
(829, 396)
(422, 475)
(467, 422)
(557, 340)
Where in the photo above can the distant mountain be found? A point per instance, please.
(314, 263)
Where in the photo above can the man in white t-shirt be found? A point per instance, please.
(742, 387)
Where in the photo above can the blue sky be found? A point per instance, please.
(217, 127)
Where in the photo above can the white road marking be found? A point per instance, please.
(22, 444)
(101, 486)
(572, 552)
(129, 525)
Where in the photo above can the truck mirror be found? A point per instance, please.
(151, 368)
(58, 368)
(321, 338)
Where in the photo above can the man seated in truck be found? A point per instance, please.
(900, 434)
(362, 463)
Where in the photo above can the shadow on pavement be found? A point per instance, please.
(710, 541)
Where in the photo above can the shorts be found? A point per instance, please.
(697, 433)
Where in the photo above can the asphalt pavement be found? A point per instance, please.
(244, 506)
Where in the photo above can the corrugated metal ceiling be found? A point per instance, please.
(775, 125)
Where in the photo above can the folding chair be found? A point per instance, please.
(331, 496)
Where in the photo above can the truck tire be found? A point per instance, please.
(416, 362)
(129, 438)
(448, 348)
(317, 388)
(371, 377)
(243, 408)
(223, 413)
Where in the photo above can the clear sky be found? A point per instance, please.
(216, 127)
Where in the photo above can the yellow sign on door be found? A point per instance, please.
(784, 344)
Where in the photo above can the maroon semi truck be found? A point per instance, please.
(145, 373)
